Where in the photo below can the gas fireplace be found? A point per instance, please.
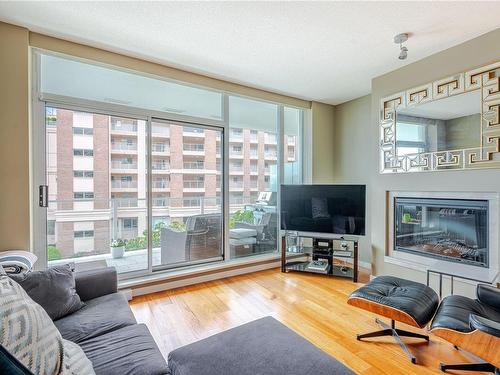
(454, 230)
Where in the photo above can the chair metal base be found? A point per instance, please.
(483, 367)
(396, 333)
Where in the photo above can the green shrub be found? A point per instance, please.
(241, 216)
(53, 253)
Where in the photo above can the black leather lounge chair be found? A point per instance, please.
(472, 325)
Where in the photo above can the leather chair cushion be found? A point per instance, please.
(485, 325)
(489, 295)
(454, 312)
(416, 299)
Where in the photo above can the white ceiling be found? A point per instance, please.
(323, 51)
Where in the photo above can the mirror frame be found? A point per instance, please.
(487, 155)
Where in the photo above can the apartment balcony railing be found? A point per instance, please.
(125, 202)
(270, 138)
(123, 184)
(194, 184)
(119, 146)
(160, 147)
(193, 165)
(270, 155)
(120, 165)
(160, 166)
(161, 184)
(124, 127)
(198, 147)
(235, 185)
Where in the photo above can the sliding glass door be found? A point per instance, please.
(96, 176)
(186, 194)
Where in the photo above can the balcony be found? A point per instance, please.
(111, 219)
(236, 186)
(236, 154)
(196, 149)
(160, 167)
(194, 186)
(271, 155)
(125, 128)
(123, 148)
(123, 186)
(194, 165)
(119, 166)
(160, 149)
(161, 185)
(270, 139)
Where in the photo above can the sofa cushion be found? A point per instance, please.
(53, 289)
(99, 316)
(29, 335)
(240, 233)
(127, 351)
(264, 346)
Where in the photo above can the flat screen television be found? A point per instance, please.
(329, 209)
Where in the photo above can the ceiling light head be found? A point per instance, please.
(403, 51)
(403, 54)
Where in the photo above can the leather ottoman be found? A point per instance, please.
(400, 300)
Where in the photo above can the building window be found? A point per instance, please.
(83, 174)
(129, 223)
(83, 152)
(83, 195)
(83, 234)
(83, 131)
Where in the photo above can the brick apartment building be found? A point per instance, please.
(97, 175)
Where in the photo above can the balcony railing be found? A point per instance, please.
(124, 184)
(124, 127)
(199, 147)
(160, 166)
(121, 165)
(120, 146)
(194, 184)
(161, 184)
(194, 165)
(160, 147)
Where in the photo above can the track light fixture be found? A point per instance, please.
(403, 51)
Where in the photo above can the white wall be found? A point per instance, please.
(357, 138)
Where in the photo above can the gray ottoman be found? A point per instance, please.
(261, 347)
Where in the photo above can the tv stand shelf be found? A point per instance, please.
(340, 254)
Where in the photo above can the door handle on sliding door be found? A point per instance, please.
(43, 195)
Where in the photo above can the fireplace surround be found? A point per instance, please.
(455, 232)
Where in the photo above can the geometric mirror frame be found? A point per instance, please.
(486, 154)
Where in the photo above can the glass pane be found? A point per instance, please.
(292, 145)
(94, 82)
(96, 173)
(186, 189)
(253, 176)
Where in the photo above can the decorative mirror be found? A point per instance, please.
(452, 123)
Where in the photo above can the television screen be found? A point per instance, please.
(332, 209)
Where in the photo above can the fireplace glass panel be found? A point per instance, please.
(450, 229)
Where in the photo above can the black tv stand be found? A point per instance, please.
(335, 256)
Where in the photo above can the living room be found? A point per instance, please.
(187, 182)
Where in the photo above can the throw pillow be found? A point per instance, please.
(53, 289)
(30, 336)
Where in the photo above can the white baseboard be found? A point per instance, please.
(159, 287)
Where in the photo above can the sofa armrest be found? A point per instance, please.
(96, 283)
(484, 325)
(489, 295)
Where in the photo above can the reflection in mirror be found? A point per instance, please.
(447, 124)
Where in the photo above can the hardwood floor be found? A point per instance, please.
(312, 305)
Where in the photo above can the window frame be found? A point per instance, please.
(41, 100)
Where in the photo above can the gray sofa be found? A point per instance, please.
(107, 331)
